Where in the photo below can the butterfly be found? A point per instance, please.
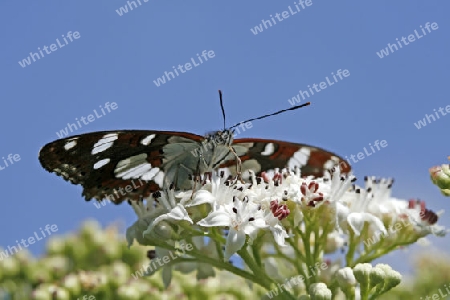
(132, 164)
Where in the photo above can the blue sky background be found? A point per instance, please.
(118, 57)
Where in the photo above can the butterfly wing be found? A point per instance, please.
(119, 165)
(264, 155)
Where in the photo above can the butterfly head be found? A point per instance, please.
(221, 137)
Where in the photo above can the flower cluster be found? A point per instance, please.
(95, 264)
(280, 224)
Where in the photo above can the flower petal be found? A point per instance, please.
(235, 241)
(216, 218)
(167, 276)
(201, 197)
(279, 234)
(178, 213)
(356, 221)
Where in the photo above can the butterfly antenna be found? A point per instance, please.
(223, 110)
(272, 114)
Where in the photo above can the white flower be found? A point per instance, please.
(150, 215)
(424, 220)
(383, 203)
(272, 217)
(217, 191)
(242, 217)
(357, 212)
(311, 196)
(337, 186)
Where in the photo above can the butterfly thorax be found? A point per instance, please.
(214, 149)
(220, 138)
(184, 158)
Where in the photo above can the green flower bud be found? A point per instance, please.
(59, 266)
(50, 292)
(72, 283)
(24, 257)
(60, 294)
(319, 291)
(75, 248)
(10, 267)
(41, 294)
(386, 268)
(39, 273)
(56, 246)
(120, 273)
(93, 281)
(9, 285)
(392, 277)
(143, 286)
(128, 293)
(362, 273)
(90, 229)
(111, 251)
(440, 176)
(346, 278)
(377, 276)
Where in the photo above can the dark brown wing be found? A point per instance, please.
(264, 155)
(114, 165)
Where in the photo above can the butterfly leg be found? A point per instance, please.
(238, 164)
(196, 176)
(177, 175)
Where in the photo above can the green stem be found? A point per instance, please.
(250, 262)
(256, 248)
(200, 257)
(377, 254)
(351, 249)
